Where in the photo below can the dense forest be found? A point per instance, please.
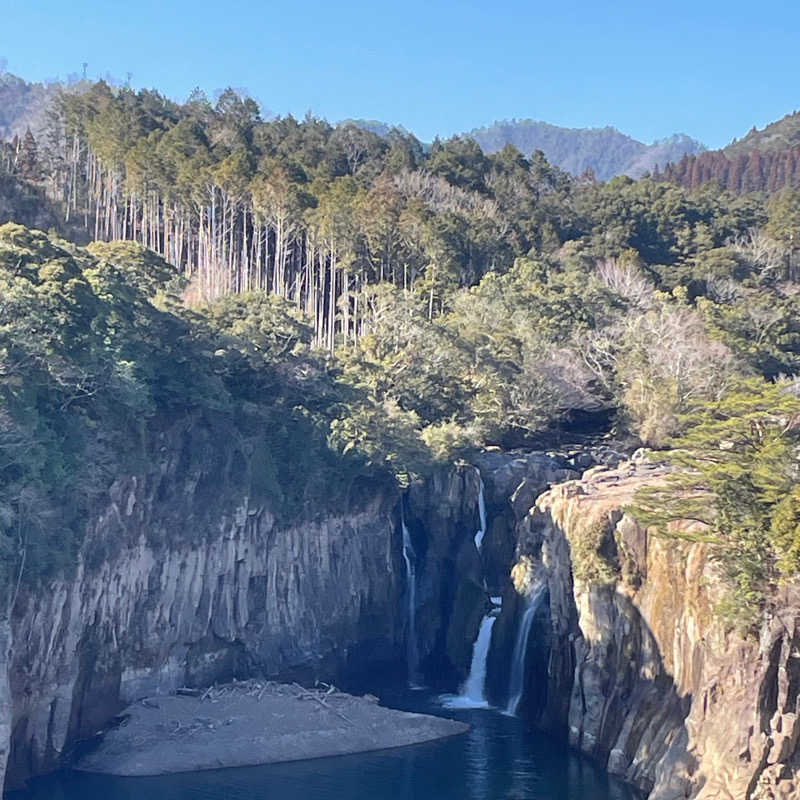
(393, 307)
(753, 171)
(766, 160)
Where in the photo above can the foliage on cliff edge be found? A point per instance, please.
(737, 475)
(98, 356)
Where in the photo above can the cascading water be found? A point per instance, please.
(474, 687)
(410, 557)
(516, 684)
(481, 512)
(473, 692)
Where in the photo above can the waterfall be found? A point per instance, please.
(410, 557)
(516, 683)
(481, 512)
(473, 694)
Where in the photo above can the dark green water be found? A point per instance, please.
(497, 760)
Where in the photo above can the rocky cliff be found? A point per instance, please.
(657, 689)
(184, 579)
(229, 592)
(454, 578)
(626, 660)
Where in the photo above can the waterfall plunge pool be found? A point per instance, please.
(498, 759)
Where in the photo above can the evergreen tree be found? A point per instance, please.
(734, 467)
(28, 167)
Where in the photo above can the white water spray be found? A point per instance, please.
(516, 684)
(410, 557)
(473, 694)
(481, 512)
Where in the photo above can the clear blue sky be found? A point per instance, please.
(708, 68)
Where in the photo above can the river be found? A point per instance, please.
(497, 760)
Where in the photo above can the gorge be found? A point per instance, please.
(197, 492)
(631, 671)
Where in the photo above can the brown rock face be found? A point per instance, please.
(660, 693)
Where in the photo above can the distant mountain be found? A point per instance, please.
(26, 105)
(606, 151)
(662, 152)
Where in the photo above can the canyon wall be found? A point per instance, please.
(627, 659)
(659, 691)
(164, 596)
(184, 579)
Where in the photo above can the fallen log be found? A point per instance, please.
(309, 695)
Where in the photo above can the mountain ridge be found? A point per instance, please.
(782, 134)
(606, 151)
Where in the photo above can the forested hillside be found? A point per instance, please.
(766, 160)
(784, 134)
(390, 308)
(748, 172)
(604, 151)
(307, 211)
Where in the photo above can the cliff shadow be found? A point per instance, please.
(606, 689)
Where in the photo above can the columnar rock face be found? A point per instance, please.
(660, 693)
(5, 695)
(232, 593)
(184, 580)
(442, 516)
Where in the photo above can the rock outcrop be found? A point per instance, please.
(658, 690)
(312, 599)
(627, 661)
(454, 579)
(6, 705)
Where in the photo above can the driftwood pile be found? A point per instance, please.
(197, 725)
(251, 688)
(322, 696)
